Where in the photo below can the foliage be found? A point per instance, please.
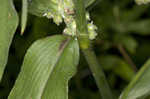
(40, 56)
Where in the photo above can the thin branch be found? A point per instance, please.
(127, 57)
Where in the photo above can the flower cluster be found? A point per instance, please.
(142, 1)
(63, 10)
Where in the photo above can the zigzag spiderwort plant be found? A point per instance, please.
(74, 16)
(51, 62)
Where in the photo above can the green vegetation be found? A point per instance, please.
(74, 49)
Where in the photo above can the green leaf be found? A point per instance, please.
(140, 27)
(89, 2)
(8, 25)
(24, 15)
(140, 85)
(47, 67)
(131, 15)
(127, 41)
(118, 66)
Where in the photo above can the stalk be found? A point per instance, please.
(89, 54)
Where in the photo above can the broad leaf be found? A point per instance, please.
(140, 85)
(8, 25)
(47, 67)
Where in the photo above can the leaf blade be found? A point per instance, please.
(41, 60)
(8, 24)
(139, 86)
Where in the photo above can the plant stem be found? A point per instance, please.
(89, 54)
(127, 57)
(98, 74)
(81, 23)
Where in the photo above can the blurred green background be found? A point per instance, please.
(122, 46)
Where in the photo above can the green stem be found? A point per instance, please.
(98, 74)
(81, 24)
(89, 54)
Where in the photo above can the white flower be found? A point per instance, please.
(92, 31)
